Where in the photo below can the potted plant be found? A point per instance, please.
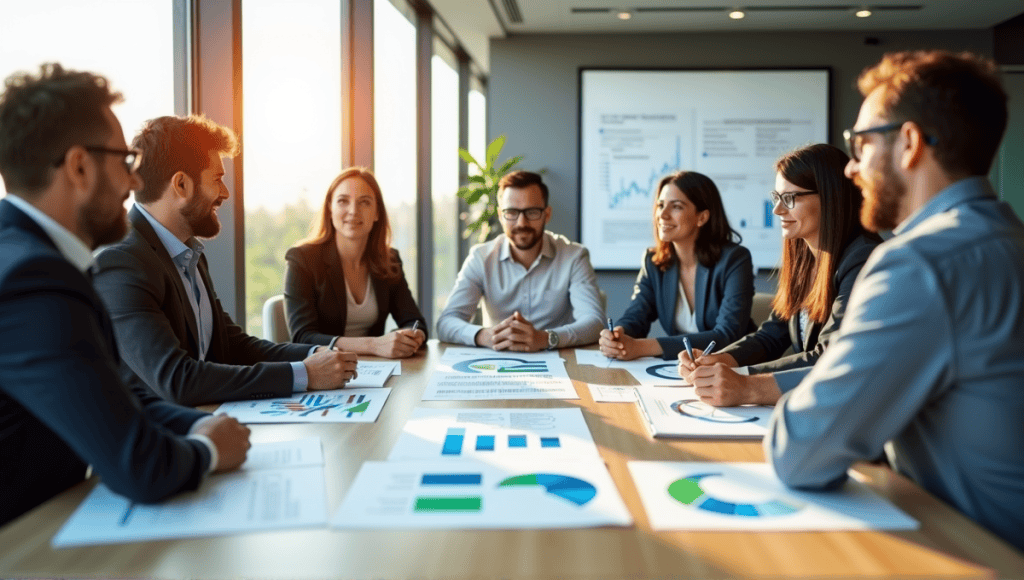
(481, 193)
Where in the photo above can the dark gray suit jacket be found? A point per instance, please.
(157, 333)
(724, 296)
(62, 405)
(762, 350)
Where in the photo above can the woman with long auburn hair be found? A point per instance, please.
(824, 247)
(343, 281)
(697, 281)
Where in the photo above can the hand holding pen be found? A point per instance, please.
(610, 341)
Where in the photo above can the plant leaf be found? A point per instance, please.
(509, 164)
(467, 157)
(478, 179)
(494, 149)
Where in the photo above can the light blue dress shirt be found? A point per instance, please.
(930, 357)
(186, 259)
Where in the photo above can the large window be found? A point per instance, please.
(477, 123)
(444, 171)
(291, 138)
(394, 126)
(140, 64)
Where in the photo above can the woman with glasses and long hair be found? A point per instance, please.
(697, 281)
(343, 281)
(823, 249)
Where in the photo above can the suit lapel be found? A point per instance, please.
(335, 277)
(141, 225)
(700, 291)
(667, 296)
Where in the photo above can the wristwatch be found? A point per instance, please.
(552, 340)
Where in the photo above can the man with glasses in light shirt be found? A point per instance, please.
(540, 286)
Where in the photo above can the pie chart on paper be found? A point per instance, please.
(568, 488)
(690, 491)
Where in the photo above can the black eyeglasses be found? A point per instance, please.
(532, 213)
(853, 144)
(788, 197)
(132, 157)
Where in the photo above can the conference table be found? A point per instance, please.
(947, 545)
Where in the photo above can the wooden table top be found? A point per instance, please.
(947, 545)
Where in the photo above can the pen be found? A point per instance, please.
(689, 349)
(710, 349)
(415, 325)
(611, 329)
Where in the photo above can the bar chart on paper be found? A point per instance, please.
(495, 435)
(474, 494)
(340, 406)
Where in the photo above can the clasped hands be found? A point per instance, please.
(515, 333)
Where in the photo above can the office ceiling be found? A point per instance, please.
(476, 21)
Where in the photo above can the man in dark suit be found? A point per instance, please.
(62, 406)
(172, 332)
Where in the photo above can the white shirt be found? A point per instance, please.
(360, 317)
(557, 292)
(686, 319)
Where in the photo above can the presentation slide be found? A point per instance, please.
(731, 125)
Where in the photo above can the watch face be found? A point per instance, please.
(552, 339)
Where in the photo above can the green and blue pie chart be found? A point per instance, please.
(566, 487)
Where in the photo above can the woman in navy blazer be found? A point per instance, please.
(696, 281)
(348, 262)
(824, 247)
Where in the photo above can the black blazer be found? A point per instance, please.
(762, 350)
(724, 296)
(62, 405)
(157, 334)
(315, 300)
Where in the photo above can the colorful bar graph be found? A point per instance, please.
(550, 442)
(485, 442)
(448, 504)
(451, 479)
(517, 440)
(453, 441)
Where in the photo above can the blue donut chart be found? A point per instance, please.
(687, 408)
(500, 365)
(689, 491)
(658, 371)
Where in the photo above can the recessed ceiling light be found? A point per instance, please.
(623, 14)
(737, 14)
(863, 13)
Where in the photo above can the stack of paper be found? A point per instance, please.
(337, 406)
(281, 485)
(679, 412)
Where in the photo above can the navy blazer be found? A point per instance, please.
(762, 350)
(724, 297)
(315, 299)
(158, 337)
(62, 405)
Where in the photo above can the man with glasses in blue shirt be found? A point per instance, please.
(540, 286)
(928, 362)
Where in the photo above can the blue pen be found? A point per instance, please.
(611, 329)
(710, 349)
(689, 349)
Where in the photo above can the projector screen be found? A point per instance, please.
(638, 125)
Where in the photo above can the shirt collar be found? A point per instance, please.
(547, 249)
(183, 255)
(68, 244)
(975, 187)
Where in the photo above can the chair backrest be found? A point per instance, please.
(275, 325)
(762, 307)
